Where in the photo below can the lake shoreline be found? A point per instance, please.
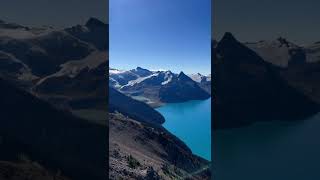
(182, 118)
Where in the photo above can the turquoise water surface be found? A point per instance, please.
(191, 122)
(269, 151)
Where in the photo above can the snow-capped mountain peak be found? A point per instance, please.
(115, 71)
(200, 78)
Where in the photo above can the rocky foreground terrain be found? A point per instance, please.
(144, 151)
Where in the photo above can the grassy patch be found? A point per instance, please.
(132, 162)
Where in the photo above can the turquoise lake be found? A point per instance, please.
(267, 151)
(191, 122)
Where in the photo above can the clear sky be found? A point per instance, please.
(161, 34)
(58, 13)
(253, 20)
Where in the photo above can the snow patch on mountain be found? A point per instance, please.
(276, 52)
(139, 80)
(199, 77)
(73, 67)
(115, 71)
(168, 77)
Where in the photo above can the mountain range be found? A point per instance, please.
(263, 81)
(158, 87)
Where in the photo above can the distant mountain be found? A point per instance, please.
(279, 52)
(298, 65)
(154, 87)
(203, 81)
(122, 78)
(141, 72)
(36, 130)
(182, 88)
(248, 88)
(283, 53)
(93, 32)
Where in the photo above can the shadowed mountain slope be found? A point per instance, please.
(249, 89)
(50, 136)
(133, 108)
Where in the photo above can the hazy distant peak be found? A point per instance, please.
(140, 68)
(7, 25)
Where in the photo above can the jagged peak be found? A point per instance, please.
(182, 74)
(228, 36)
(282, 39)
(140, 68)
(284, 42)
(94, 22)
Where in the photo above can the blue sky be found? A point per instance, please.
(161, 34)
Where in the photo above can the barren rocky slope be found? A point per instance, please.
(143, 151)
